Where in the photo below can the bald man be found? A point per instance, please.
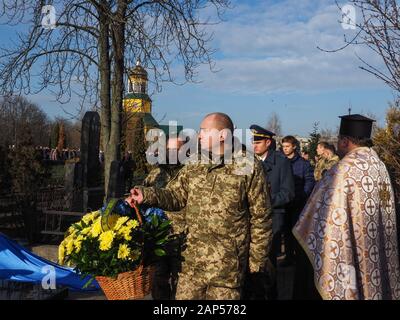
(228, 215)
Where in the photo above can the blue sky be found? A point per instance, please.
(269, 62)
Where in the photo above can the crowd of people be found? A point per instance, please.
(54, 154)
(333, 220)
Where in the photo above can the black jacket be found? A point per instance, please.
(280, 178)
(303, 179)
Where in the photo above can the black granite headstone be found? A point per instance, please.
(90, 148)
(73, 186)
(85, 175)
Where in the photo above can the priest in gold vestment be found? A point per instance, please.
(348, 227)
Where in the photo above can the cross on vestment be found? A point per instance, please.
(368, 183)
(311, 242)
(338, 216)
(362, 164)
(328, 282)
(334, 249)
(388, 248)
(384, 195)
(342, 273)
(373, 229)
(349, 186)
(376, 276)
(318, 261)
(374, 253)
(321, 228)
(371, 206)
(389, 227)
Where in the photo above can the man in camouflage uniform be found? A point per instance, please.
(166, 275)
(326, 159)
(228, 215)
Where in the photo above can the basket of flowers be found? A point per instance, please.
(118, 246)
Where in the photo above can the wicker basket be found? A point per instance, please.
(129, 285)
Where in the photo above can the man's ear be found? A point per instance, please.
(225, 135)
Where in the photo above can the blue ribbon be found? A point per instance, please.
(19, 264)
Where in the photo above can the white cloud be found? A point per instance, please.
(272, 47)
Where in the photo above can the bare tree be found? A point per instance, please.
(18, 114)
(73, 134)
(330, 135)
(89, 51)
(274, 124)
(377, 26)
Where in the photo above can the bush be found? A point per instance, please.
(387, 145)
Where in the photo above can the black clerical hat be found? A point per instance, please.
(356, 126)
(260, 133)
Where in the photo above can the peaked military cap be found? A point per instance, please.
(260, 133)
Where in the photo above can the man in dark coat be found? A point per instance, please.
(281, 184)
(304, 184)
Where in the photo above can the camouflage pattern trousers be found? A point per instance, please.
(196, 286)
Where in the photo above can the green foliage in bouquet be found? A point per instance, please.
(121, 247)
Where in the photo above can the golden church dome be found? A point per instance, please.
(138, 71)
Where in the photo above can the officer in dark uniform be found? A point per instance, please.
(279, 175)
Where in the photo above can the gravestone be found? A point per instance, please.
(90, 148)
(73, 186)
(81, 178)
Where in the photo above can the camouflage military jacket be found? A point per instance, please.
(324, 165)
(228, 216)
(159, 178)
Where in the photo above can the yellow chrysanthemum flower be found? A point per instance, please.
(86, 231)
(78, 243)
(132, 224)
(106, 240)
(120, 222)
(78, 246)
(70, 230)
(61, 253)
(90, 217)
(69, 239)
(96, 228)
(70, 246)
(123, 252)
(125, 231)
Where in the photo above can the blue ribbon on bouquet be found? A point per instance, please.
(123, 208)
